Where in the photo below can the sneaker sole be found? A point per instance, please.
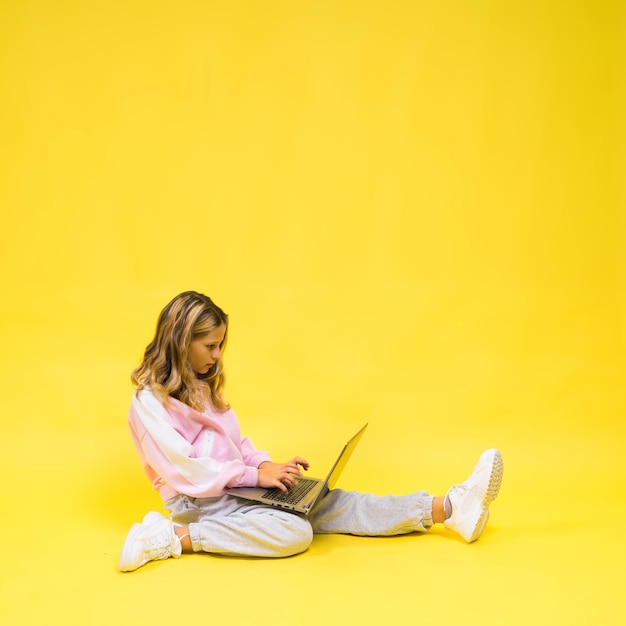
(495, 481)
(126, 564)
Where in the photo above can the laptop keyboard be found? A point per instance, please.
(295, 493)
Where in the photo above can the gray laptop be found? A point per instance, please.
(302, 497)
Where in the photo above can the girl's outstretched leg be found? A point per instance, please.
(464, 509)
(366, 514)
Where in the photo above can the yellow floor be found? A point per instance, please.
(552, 553)
(414, 214)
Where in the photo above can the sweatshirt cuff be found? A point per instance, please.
(250, 477)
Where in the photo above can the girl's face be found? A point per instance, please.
(205, 351)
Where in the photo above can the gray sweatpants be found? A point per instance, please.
(232, 526)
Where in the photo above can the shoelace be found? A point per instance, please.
(160, 546)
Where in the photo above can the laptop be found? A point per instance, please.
(301, 498)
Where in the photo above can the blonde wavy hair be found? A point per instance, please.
(165, 368)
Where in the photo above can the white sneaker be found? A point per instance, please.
(152, 540)
(471, 499)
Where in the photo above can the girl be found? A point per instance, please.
(191, 448)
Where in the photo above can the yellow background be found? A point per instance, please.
(413, 212)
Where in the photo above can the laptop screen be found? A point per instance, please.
(340, 463)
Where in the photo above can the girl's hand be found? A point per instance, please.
(281, 475)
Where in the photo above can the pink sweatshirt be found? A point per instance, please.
(185, 451)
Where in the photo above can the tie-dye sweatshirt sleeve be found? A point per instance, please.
(185, 451)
